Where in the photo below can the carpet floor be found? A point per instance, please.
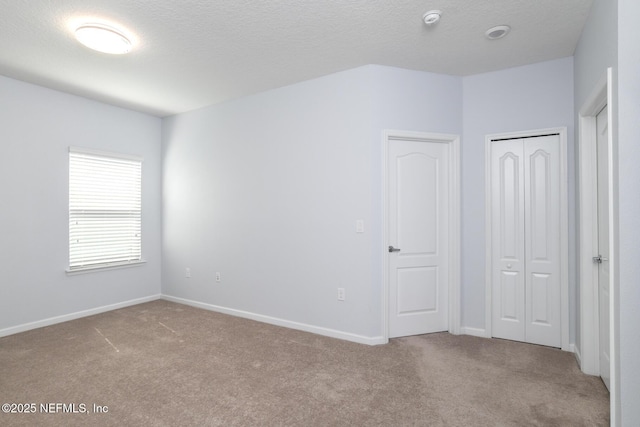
(166, 364)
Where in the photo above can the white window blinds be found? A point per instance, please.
(105, 209)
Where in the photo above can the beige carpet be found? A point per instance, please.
(165, 364)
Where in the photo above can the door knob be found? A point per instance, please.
(599, 259)
(392, 249)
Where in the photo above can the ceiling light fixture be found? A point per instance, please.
(498, 32)
(431, 17)
(103, 38)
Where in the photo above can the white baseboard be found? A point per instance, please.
(476, 332)
(347, 336)
(72, 316)
(576, 352)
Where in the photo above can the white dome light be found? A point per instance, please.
(103, 39)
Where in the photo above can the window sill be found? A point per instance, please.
(96, 268)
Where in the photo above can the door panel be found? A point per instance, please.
(539, 298)
(539, 188)
(510, 206)
(417, 290)
(542, 240)
(507, 225)
(418, 186)
(417, 191)
(511, 296)
(603, 244)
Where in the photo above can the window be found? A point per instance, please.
(105, 210)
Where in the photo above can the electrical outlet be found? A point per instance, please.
(187, 272)
(341, 294)
(217, 276)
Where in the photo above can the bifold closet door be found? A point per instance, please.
(525, 226)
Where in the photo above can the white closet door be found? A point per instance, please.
(542, 240)
(507, 228)
(525, 240)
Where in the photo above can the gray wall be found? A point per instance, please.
(37, 126)
(524, 98)
(629, 208)
(610, 39)
(337, 121)
(266, 190)
(597, 50)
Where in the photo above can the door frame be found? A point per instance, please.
(564, 228)
(454, 221)
(588, 354)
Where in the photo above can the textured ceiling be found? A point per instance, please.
(193, 53)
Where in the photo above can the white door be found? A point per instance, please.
(542, 240)
(507, 229)
(418, 194)
(525, 227)
(603, 243)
